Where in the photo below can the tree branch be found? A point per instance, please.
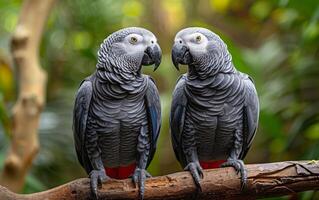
(264, 180)
(31, 99)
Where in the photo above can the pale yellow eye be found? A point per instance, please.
(133, 40)
(198, 38)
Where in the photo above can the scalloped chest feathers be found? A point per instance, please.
(119, 112)
(214, 111)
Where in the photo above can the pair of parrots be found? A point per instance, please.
(117, 112)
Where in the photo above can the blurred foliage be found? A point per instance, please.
(6, 92)
(276, 42)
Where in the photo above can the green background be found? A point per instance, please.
(276, 42)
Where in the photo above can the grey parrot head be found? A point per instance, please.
(199, 47)
(128, 49)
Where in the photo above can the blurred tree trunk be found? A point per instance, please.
(158, 16)
(32, 91)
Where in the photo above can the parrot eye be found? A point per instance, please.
(133, 40)
(198, 38)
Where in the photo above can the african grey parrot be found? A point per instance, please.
(117, 113)
(215, 108)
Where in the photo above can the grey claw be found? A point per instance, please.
(135, 180)
(97, 177)
(201, 174)
(139, 178)
(240, 168)
(94, 192)
(197, 173)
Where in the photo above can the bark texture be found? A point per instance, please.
(32, 91)
(264, 180)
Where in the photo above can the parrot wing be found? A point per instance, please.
(80, 115)
(251, 114)
(153, 106)
(177, 118)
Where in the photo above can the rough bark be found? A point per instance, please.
(264, 180)
(31, 98)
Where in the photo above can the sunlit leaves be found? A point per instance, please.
(311, 30)
(8, 14)
(132, 8)
(285, 17)
(176, 13)
(313, 132)
(81, 40)
(6, 79)
(10, 20)
(6, 94)
(261, 9)
(220, 5)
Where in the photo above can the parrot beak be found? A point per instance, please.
(180, 55)
(152, 55)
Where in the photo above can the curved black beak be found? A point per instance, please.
(180, 55)
(152, 55)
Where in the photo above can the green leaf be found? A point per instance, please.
(313, 132)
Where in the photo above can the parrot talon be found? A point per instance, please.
(239, 166)
(201, 174)
(197, 173)
(139, 177)
(97, 177)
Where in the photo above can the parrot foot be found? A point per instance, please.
(139, 178)
(97, 177)
(239, 167)
(197, 173)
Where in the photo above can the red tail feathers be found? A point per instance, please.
(126, 171)
(211, 164)
(122, 172)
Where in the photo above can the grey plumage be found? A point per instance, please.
(117, 112)
(215, 108)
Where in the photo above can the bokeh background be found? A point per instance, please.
(274, 41)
